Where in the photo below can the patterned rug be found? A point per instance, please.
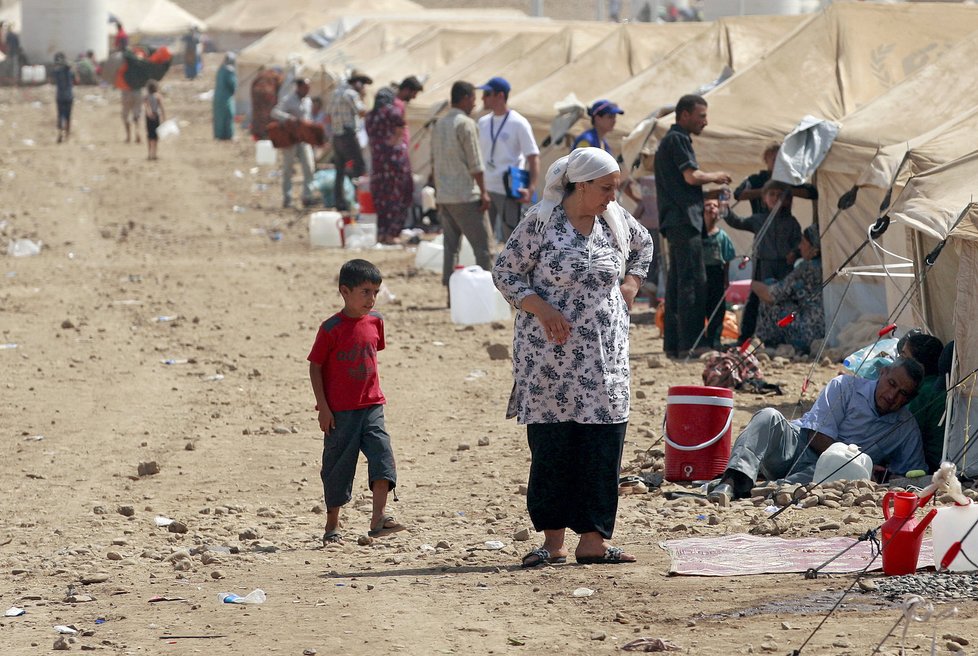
(741, 554)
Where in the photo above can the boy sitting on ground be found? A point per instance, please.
(343, 372)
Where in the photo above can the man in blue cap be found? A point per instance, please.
(603, 115)
(506, 140)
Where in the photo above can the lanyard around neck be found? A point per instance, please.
(494, 135)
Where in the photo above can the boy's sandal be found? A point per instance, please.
(332, 537)
(386, 526)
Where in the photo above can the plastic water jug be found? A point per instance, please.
(264, 153)
(902, 534)
(168, 129)
(326, 229)
(843, 462)
(431, 254)
(949, 525)
(367, 218)
(475, 298)
(359, 235)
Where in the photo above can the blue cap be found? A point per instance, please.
(496, 85)
(604, 107)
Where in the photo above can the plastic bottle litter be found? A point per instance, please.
(214, 377)
(174, 361)
(583, 592)
(14, 611)
(23, 248)
(67, 630)
(253, 597)
(494, 544)
(160, 520)
(7, 347)
(165, 317)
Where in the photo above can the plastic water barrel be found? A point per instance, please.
(359, 235)
(697, 432)
(326, 229)
(264, 153)
(842, 462)
(475, 298)
(949, 527)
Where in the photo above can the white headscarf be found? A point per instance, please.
(582, 165)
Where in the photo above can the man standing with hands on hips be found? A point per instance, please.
(506, 140)
(679, 193)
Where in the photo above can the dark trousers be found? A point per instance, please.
(763, 270)
(357, 431)
(714, 291)
(346, 148)
(574, 476)
(685, 281)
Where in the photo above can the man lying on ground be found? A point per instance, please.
(850, 410)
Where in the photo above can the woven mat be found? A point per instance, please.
(741, 554)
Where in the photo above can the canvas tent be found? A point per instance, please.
(936, 204)
(832, 64)
(141, 18)
(242, 22)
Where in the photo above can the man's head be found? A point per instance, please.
(897, 385)
(691, 113)
(495, 94)
(358, 79)
(463, 96)
(359, 284)
(771, 154)
(302, 87)
(773, 191)
(925, 349)
(409, 88)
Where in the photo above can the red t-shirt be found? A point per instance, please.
(346, 349)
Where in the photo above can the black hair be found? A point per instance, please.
(357, 272)
(412, 83)
(688, 102)
(913, 368)
(152, 86)
(926, 349)
(569, 188)
(461, 90)
(903, 340)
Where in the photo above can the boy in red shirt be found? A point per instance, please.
(343, 372)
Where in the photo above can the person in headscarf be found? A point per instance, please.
(391, 184)
(224, 87)
(572, 269)
(798, 294)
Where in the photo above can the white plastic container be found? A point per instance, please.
(168, 129)
(360, 235)
(326, 229)
(431, 253)
(264, 153)
(475, 298)
(367, 218)
(838, 456)
(949, 526)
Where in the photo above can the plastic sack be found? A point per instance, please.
(23, 248)
(325, 181)
(867, 361)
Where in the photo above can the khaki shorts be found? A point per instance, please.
(132, 105)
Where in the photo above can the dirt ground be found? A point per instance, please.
(145, 262)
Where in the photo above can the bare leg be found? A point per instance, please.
(593, 544)
(380, 491)
(129, 131)
(553, 541)
(332, 519)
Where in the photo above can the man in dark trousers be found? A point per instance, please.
(679, 188)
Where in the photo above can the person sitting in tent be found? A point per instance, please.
(871, 414)
(224, 87)
(798, 295)
(928, 406)
(603, 115)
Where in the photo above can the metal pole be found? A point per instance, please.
(536, 8)
(599, 10)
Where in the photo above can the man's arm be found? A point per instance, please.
(533, 165)
(699, 178)
(280, 112)
(480, 181)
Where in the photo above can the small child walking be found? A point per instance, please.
(718, 251)
(64, 82)
(155, 114)
(345, 381)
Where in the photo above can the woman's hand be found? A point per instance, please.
(629, 289)
(761, 291)
(555, 326)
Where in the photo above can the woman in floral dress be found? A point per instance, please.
(799, 292)
(391, 185)
(562, 269)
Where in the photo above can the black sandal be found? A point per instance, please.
(612, 556)
(540, 556)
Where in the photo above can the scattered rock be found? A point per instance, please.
(148, 468)
(640, 394)
(522, 490)
(177, 527)
(498, 352)
(443, 544)
(190, 446)
(61, 644)
(114, 555)
(830, 526)
(955, 638)
(217, 574)
(126, 511)
(868, 585)
(365, 540)
(483, 441)
(599, 635)
(281, 430)
(67, 324)
(655, 362)
(79, 598)
(464, 447)
(310, 652)
(94, 578)
(249, 534)
(522, 535)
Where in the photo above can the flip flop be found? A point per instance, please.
(612, 556)
(332, 537)
(386, 526)
(541, 556)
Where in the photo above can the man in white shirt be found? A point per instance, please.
(506, 139)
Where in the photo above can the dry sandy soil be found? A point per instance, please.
(87, 398)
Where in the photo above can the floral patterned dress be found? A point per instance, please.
(586, 379)
(391, 184)
(800, 293)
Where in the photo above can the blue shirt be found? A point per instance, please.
(591, 138)
(846, 412)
